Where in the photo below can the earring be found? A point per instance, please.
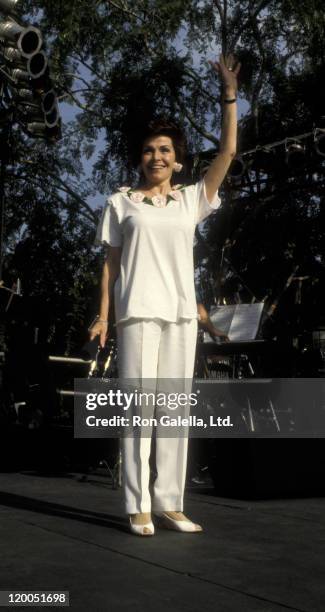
(177, 167)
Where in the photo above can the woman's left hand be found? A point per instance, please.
(228, 69)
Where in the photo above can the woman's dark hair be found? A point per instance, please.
(161, 126)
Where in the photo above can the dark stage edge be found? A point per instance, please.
(58, 533)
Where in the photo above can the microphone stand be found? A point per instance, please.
(233, 269)
(15, 290)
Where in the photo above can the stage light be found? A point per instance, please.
(20, 77)
(28, 39)
(48, 101)
(33, 112)
(52, 118)
(237, 168)
(9, 6)
(295, 153)
(34, 67)
(42, 83)
(26, 72)
(30, 42)
(37, 128)
(264, 159)
(37, 65)
(13, 56)
(24, 95)
(55, 133)
(319, 141)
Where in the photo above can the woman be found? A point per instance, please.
(150, 266)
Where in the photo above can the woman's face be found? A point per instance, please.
(158, 158)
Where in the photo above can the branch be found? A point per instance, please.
(225, 9)
(38, 182)
(83, 107)
(260, 78)
(223, 24)
(220, 10)
(252, 15)
(124, 9)
(197, 80)
(81, 91)
(90, 68)
(194, 123)
(64, 186)
(262, 5)
(77, 77)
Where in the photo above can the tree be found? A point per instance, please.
(117, 63)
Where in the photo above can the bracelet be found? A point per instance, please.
(96, 320)
(230, 101)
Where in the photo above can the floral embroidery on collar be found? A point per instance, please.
(160, 201)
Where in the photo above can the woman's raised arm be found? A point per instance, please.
(228, 70)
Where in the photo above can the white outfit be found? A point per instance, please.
(157, 273)
(155, 350)
(156, 316)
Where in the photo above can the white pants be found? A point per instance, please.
(155, 349)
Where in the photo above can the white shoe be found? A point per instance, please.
(166, 522)
(140, 529)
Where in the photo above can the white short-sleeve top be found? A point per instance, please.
(157, 271)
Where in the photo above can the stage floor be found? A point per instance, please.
(58, 533)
